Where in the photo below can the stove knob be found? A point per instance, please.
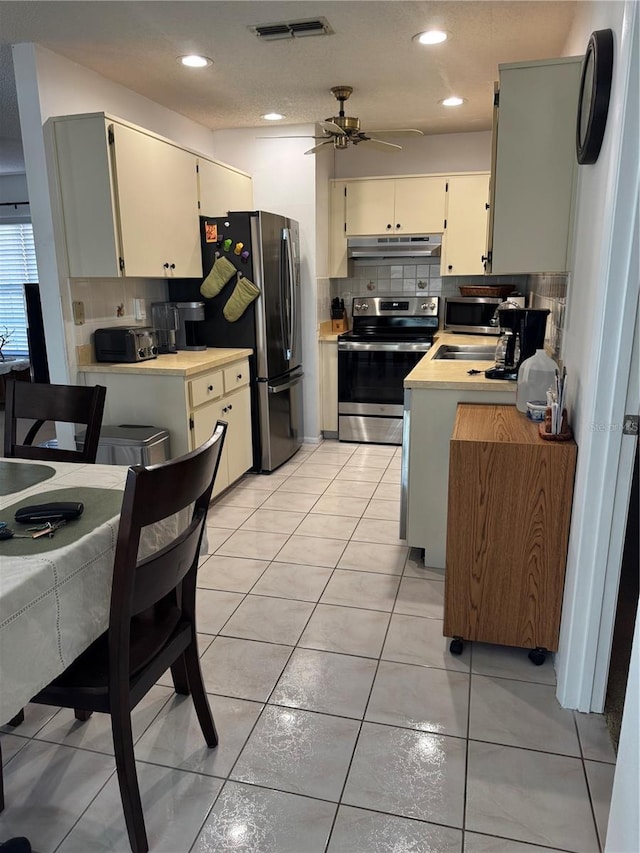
(357, 306)
(428, 306)
(365, 306)
(141, 353)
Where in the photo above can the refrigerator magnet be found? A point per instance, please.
(211, 232)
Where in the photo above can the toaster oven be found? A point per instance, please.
(124, 343)
(474, 315)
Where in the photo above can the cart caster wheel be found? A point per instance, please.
(538, 656)
(456, 645)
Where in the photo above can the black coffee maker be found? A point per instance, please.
(522, 333)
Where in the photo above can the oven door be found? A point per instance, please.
(370, 388)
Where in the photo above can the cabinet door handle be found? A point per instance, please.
(389, 226)
(166, 265)
(449, 267)
(239, 377)
(209, 387)
(224, 410)
(398, 225)
(230, 406)
(172, 266)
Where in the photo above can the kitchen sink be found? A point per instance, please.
(466, 352)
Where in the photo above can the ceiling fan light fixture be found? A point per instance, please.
(273, 116)
(453, 101)
(195, 61)
(431, 37)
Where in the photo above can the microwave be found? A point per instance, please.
(474, 314)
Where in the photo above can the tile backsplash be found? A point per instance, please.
(405, 276)
(110, 302)
(411, 278)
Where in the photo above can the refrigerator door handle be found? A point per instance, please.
(286, 236)
(276, 389)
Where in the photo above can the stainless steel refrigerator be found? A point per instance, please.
(264, 247)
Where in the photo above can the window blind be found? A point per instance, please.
(17, 266)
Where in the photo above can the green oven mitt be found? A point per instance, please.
(243, 295)
(221, 271)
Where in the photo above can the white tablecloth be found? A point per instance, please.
(13, 363)
(54, 604)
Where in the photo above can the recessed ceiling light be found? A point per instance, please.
(194, 61)
(452, 102)
(272, 116)
(431, 37)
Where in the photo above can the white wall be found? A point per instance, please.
(603, 299)
(449, 152)
(597, 342)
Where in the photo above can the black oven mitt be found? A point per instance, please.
(243, 295)
(221, 272)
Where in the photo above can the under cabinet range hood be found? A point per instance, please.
(407, 246)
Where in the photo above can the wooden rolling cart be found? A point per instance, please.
(509, 508)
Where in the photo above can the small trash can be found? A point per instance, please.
(130, 444)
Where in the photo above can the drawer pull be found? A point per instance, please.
(239, 376)
(209, 387)
(230, 406)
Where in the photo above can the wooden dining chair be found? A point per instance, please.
(42, 402)
(152, 620)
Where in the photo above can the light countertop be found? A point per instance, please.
(452, 374)
(183, 363)
(325, 332)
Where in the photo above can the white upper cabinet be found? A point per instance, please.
(157, 206)
(129, 200)
(533, 166)
(395, 206)
(221, 189)
(465, 235)
(338, 263)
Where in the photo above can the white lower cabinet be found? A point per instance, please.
(430, 415)
(329, 387)
(187, 406)
(235, 409)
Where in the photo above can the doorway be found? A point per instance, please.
(625, 615)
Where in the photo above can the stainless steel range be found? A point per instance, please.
(389, 337)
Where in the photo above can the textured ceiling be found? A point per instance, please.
(396, 82)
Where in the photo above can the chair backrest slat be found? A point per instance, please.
(154, 495)
(40, 402)
(158, 575)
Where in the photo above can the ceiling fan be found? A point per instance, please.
(342, 130)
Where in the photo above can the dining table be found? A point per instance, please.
(54, 591)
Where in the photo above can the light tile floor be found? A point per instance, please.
(345, 724)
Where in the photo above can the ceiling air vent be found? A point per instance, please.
(293, 29)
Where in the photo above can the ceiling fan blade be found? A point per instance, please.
(331, 127)
(290, 137)
(382, 146)
(401, 131)
(318, 147)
